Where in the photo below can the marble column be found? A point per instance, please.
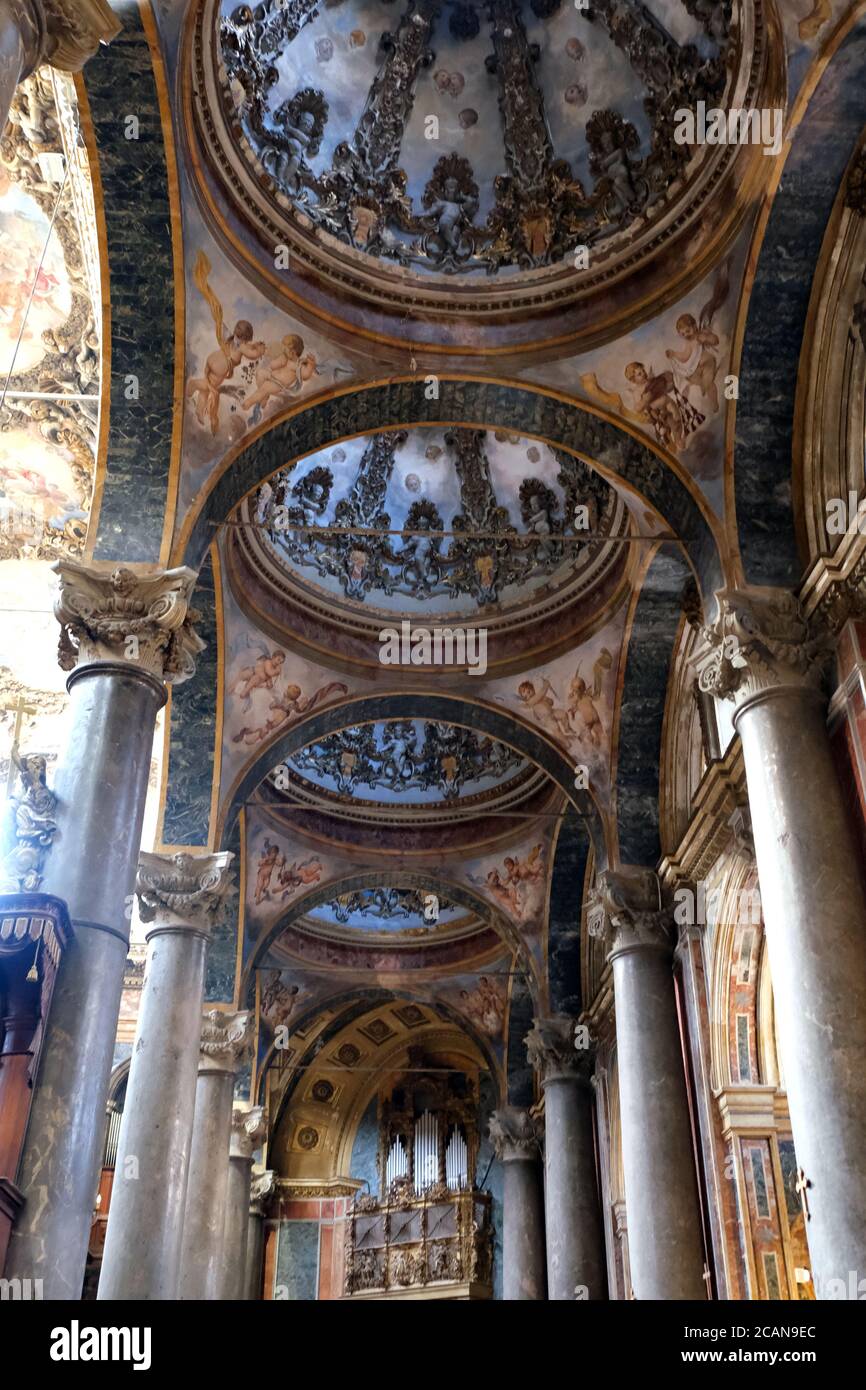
(225, 1043)
(260, 1190)
(49, 31)
(513, 1135)
(123, 636)
(181, 896)
(664, 1223)
(762, 654)
(248, 1130)
(576, 1263)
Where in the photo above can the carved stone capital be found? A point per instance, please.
(625, 908)
(261, 1189)
(225, 1040)
(182, 890)
(249, 1128)
(74, 29)
(553, 1049)
(513, 1134)
(142, 620)
(759, 643)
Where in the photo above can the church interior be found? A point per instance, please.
(433, 650)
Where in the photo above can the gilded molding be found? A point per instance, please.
(142, 620)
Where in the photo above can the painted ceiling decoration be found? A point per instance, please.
(408, 760)
(50, 324)
(452, 521)
(472, 159)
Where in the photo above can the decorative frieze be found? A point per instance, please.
(143, 620)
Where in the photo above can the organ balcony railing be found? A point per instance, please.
(436, 1244)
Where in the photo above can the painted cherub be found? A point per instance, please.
(261, 676)
(285, 371)
(207, 391)
(290, 706)
(658, 401)
(584, 716)
(301, 875)
(540, 704)
(269, 860)
(696, 364)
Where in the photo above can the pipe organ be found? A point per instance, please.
(428, 1233)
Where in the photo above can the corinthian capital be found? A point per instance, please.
(248, 1130)
(225, 1040)
(625, 908)
(760, 641)
(143, 620)
(513, 1133)
(182, 890)
(74, 29)
(553, 1049)
(261, 1187)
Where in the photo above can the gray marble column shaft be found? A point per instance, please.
(815, 920)
(248, 1131)
(763, 653)
(664, 1225)
(101, 785)
(225, 1040)
(576, 1260)
(523, 1257)
(261, 1188)
(181, 894)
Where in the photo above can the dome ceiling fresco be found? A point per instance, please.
(407, 762)
(452, 521)
(463, 146)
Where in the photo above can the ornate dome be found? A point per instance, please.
(463, 158)
(431, 521)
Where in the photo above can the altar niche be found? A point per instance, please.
(428, 1232)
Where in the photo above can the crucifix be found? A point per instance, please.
(802, 1186)
(20, 708)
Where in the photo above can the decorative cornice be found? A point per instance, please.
(720, 798)
(182, 890)
(262, 1189)
(141, 620)
(625, 908)
(225, 1040)
(74, 29)
(752, 1110)
(513, 1134)
(552, 1048)
(759, 643)
(249, 1128)
(834, 588)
